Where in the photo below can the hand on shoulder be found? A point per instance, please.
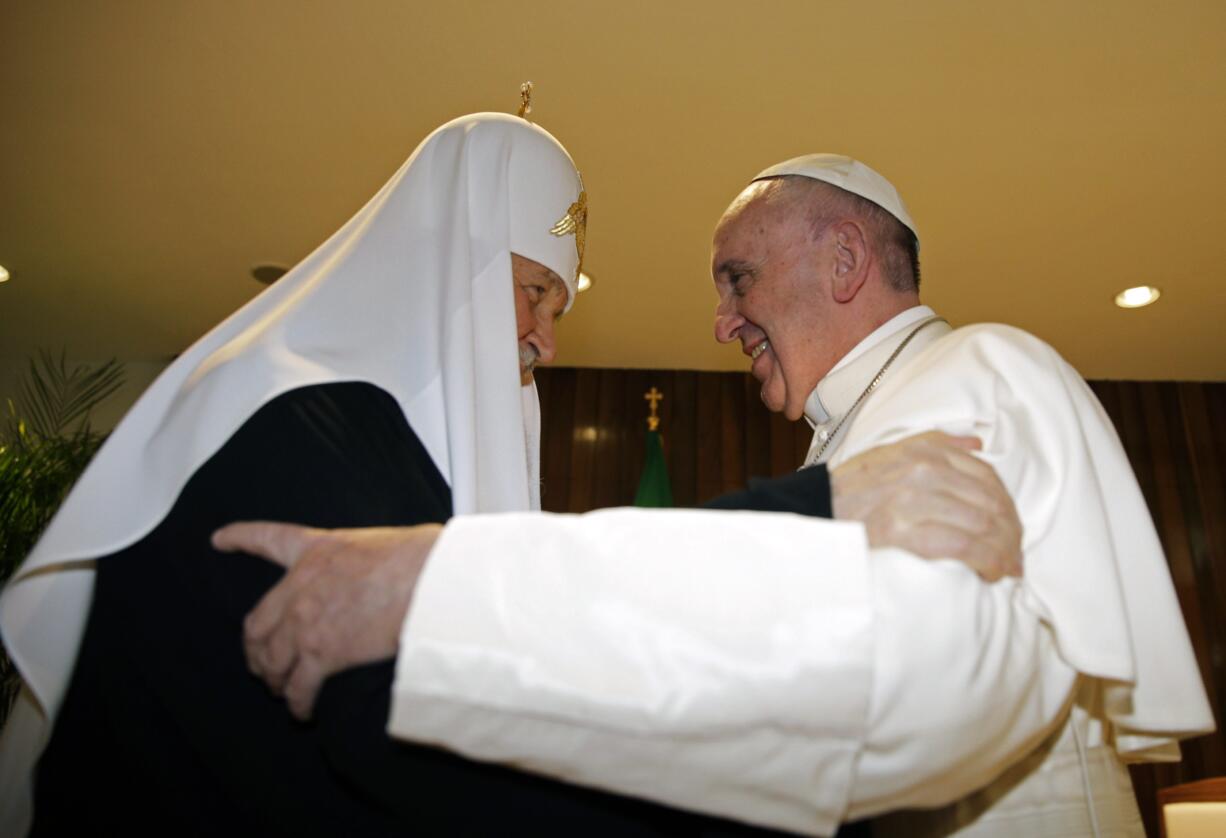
(930, 495)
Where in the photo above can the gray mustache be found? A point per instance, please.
(527, 357)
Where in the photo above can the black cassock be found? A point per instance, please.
(164, 731)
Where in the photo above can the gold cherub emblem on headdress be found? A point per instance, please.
(575, 221)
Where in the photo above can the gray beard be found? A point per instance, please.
(527, 359)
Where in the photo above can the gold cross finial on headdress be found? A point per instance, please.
(525, 100)
(653, 396)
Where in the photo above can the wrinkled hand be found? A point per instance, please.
(928, 494)
(340, 604)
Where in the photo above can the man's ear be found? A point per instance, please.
(851, 257)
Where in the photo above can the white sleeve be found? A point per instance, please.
(687, 657)
(758, 666)
(966, 681)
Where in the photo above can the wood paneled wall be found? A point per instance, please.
(1172, 433)
(717, 434)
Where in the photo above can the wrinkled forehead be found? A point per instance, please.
(761, 207)
(525, 269)
(749, 198)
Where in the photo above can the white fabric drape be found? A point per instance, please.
(413, 294)
(1094, 566)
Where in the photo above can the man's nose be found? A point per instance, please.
(728, 323)
(545, 346)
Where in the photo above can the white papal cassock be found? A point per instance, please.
(773, 669)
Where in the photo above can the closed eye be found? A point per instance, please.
(738, 274)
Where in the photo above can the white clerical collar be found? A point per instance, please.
(834, 394)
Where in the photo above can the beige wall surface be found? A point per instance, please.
(1052, 153)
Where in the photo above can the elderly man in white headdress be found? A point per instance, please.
(724, 670)
(373, 385)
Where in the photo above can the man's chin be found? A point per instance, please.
(793, 412)
(774, 402)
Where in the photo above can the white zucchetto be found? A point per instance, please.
(850, 175)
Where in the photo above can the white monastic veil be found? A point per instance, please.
(413, 294)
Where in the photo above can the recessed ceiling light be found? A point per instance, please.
(585, 282)
(268, 274)
(4, 274)
(1142, 295)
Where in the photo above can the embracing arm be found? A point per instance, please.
(344, 598)
(927, 494)
(765, 667)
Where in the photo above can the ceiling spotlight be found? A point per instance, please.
(268, 274)
(1142, 295)
(4, 275)
(585, 282)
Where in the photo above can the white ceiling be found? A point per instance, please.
(1052, 154)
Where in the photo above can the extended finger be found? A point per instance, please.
(971, 480)
(986, 557)
(274, 657)
(964, 462)
(993, 556)
(942, 507)
(303, 686)
(280, 543)
(271, 610)
(939, 528)
(267, 614)
(965, 443)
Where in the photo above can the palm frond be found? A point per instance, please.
(53, 397)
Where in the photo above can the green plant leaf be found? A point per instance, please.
(54, 398)
(46, 444)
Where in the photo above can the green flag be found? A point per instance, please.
(654, 489)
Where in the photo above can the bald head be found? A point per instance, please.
(894, 245)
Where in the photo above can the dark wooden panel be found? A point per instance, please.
(757, 430)
(635, 384)
(708, 442)
(1168, 432)
(681, 436)
(1204, 490)
(731, 433)
(557, 426)
(583, 442)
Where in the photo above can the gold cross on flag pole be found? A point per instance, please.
(653, 396)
